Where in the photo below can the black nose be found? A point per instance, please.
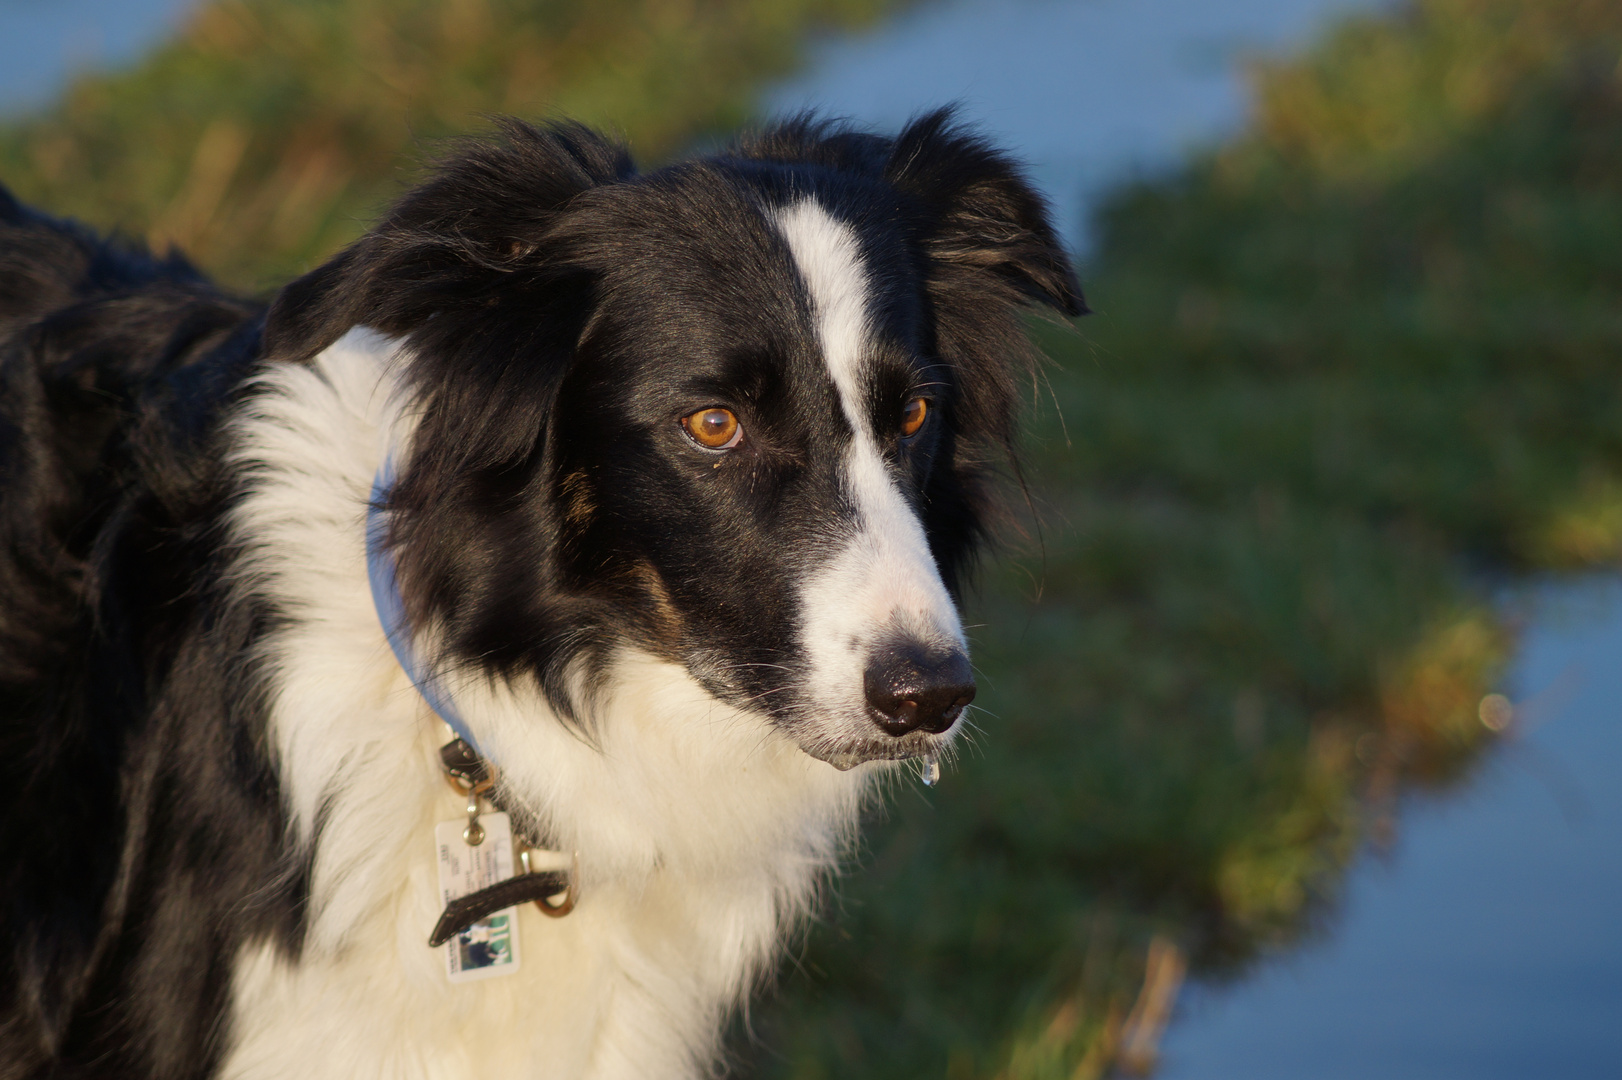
(908, 687)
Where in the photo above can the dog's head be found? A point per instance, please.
(739, 413)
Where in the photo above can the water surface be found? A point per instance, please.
(43, 43)
(1087, 91)
(1488, 945)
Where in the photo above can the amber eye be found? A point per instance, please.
(912, 417)
(713, 429)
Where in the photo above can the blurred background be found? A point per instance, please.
(1300, 754)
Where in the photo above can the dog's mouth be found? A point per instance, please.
(849, 754)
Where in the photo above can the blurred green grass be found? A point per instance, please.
(1350, 374)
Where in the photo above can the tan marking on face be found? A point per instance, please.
(667, 621)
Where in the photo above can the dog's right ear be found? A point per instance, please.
(311, 312)
(486, 211)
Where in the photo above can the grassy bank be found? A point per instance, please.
(1347, 374)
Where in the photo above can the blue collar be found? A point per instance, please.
(391, 611)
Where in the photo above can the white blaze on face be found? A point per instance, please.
(884, 581)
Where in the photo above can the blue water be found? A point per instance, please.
(1489, 945)
(1089, 92)
(44, 42)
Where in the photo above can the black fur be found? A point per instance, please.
(560, 309)
(141, 826)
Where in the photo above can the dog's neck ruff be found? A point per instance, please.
(391, 609)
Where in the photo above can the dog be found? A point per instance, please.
(657, 488)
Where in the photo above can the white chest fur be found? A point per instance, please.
(701, 832)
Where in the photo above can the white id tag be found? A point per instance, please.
(490, 946)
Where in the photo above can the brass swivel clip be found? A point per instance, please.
(469, 775)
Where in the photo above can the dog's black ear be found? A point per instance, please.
(483, 215)
(989, 253)
(313, 311)
(987, 227)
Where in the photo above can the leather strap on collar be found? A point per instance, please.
(473, 776)
(539, 887)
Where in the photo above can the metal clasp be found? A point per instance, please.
(551, 906)
(470, 775)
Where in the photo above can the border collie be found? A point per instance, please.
(660, 486)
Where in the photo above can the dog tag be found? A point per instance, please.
(490, 946)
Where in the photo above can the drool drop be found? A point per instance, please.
(929, 770)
